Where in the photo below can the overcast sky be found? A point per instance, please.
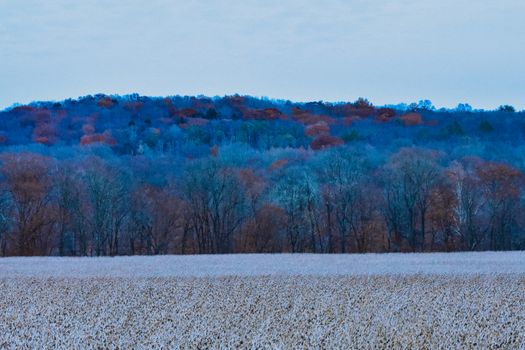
(448, 51)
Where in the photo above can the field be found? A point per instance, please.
(457, 300)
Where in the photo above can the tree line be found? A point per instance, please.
(338, 200)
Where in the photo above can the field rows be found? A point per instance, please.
(262, 310)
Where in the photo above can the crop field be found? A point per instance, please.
(457, 300)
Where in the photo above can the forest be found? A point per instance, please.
(124, 175)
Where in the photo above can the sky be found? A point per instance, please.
(448, 51)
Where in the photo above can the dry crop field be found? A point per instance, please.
(457, 300)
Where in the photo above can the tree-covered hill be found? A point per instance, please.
(132, 174)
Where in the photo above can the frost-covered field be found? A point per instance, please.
(460, 300)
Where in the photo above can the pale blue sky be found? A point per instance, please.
(448, 51)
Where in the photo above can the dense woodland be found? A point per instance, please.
(118, 175)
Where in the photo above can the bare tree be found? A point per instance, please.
(467, 203)
(342, 175)
(297, 194)
(157, 220)
(216, 202)
(107, 190)
(27, 180)
(502, 187)
(411, 174)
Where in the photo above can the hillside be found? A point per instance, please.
(112, 175)
(135, 124)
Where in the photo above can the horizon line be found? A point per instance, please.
(263, 97)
